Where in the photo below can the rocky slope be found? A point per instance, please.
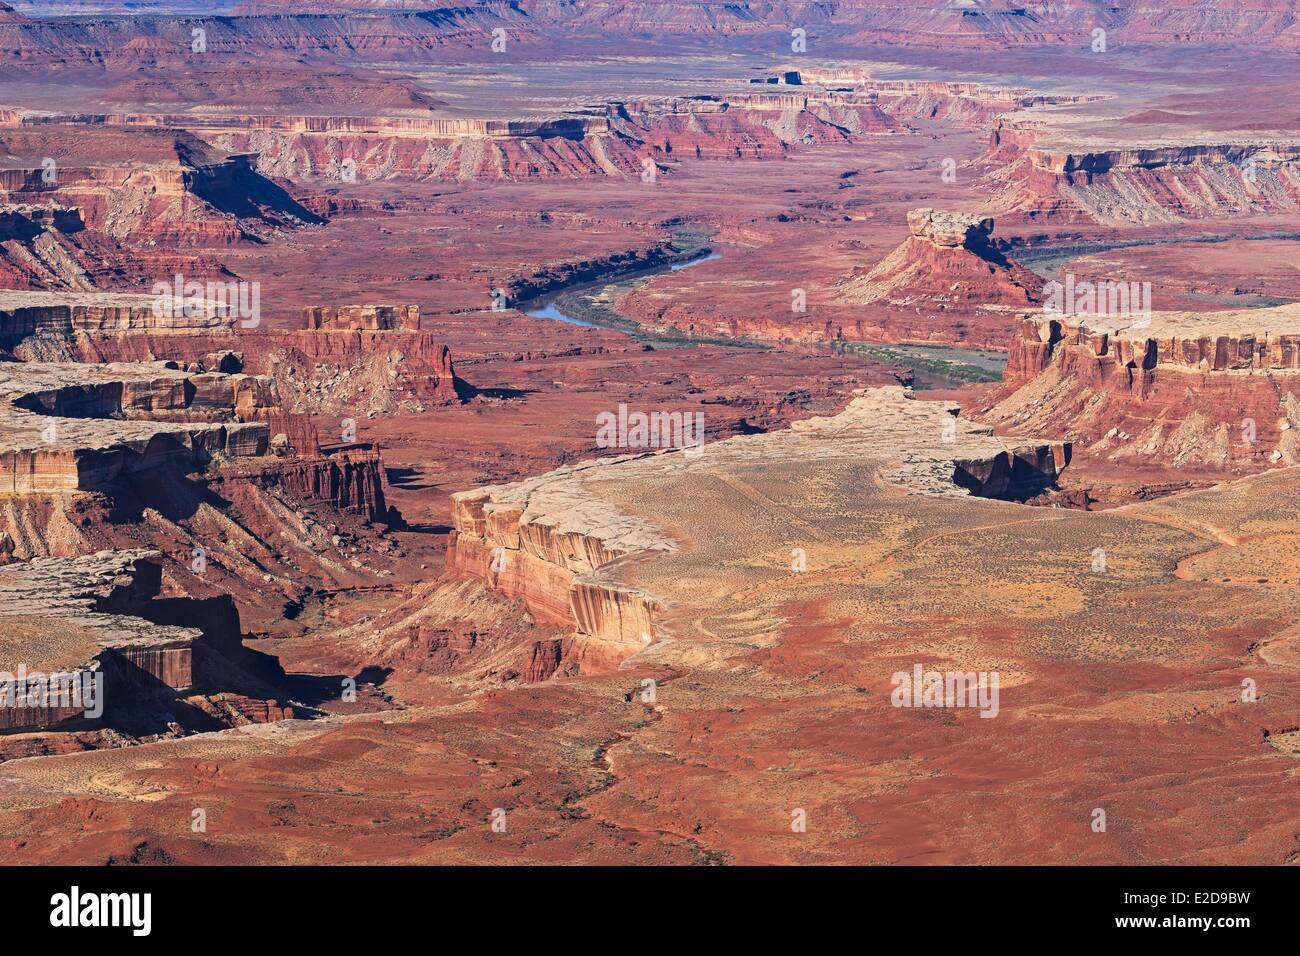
(345, 359)
(948, 262)
(158, 184)
(1151, 182)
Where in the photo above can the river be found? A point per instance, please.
(545, 307)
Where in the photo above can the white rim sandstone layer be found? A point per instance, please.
(1216, 389)
(560, 541)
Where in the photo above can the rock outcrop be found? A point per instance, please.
(362, 318)
(356, 357)
(1147, 183)
(57, 617)
(1214, 391)
(947, 270)
(157, 183)
(947, 262)
(80, 427)
(552, 543)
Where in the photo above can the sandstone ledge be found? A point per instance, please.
(63, 615)
(71, 427)
(556, 541)
(1243, 340)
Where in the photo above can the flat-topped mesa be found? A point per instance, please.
(427, 149)
(380, 349)
(416, 126)
(75, 617)
(358, 318)
(1244, 340)
(353, 355)
(555, 542)
(70, 427)
(24, 314)
(1162, 180)
(1212, 390)
(164, 184)
(950, 230)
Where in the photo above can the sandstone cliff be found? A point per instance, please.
(556, 545)
(948, 269)
(361, 358)
(1209, 391)
(54, 618)
(1151, 182)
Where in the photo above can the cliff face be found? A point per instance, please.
(561, 547)
(63, 615)
(398, 154)
(1217, 391)
(357, 357)
(351, 480)
(1165, 182)
(78, 427)
(541, 542)
(362, 318)
(144, 183)
(396, 30)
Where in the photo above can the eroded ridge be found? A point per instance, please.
(556, 544)
(947, 262)
(69, 427)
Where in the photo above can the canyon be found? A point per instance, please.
(313, 325)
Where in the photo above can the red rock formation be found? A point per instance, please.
(1165, 182)
(947, 261)
(349, 480)
(1211, 392)
(128, 655)
(143, 183)
(362, 318)
(947, 270)
(751, 127)
(561, 550)
(379, 350)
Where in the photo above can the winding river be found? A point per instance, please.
(546, 306)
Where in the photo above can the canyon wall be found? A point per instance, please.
(1217, 391)
(558, 545)
(354, 357)
(1163, 182)
(77, 606)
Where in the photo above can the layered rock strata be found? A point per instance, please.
(947, 261)
(380, 346)
(556, 543)
(80, 427)
(1219, 390)
(59, 616)
(159, 183)
(948, 270)
(1141, 184)
(362, 318)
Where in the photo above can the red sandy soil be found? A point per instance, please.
(1126, 686)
